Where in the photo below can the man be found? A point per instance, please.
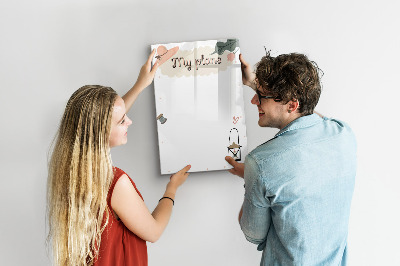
(299, 184)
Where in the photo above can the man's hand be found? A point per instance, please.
(238, 168)
(248, 76)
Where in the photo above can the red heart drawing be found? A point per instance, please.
(235, 119)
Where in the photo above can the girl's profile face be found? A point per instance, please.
(119, 124)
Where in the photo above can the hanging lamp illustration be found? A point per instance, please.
(234, 148)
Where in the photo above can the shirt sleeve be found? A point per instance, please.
(256, 216)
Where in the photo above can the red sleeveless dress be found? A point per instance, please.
(119, 246)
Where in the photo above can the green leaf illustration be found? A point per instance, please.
(229, 45)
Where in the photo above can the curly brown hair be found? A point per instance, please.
(290, 77)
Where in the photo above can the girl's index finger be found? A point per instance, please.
(186, 168)
(151, 56)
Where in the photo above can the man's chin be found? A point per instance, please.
(262, 123)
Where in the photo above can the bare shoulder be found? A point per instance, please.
(124, 191)
(123, 181)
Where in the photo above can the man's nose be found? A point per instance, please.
(254, 100)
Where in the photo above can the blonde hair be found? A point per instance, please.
(80, 174)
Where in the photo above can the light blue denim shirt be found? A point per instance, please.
(298, 190)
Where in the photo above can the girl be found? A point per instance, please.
(96, 214)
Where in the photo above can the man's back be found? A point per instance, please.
(299, 187)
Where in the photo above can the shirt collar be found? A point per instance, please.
(301, 122)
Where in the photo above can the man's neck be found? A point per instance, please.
(290, 119)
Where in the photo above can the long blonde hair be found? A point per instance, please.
(80, 174)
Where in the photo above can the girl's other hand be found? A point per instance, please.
(176, 180)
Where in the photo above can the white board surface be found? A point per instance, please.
(199, 105)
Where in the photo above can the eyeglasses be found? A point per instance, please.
(276, 99)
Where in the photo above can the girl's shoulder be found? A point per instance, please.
(118, 172)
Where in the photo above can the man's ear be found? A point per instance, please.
(293, 105)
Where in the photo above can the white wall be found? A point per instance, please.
(48, 49)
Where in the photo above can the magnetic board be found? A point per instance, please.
(199, 105)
